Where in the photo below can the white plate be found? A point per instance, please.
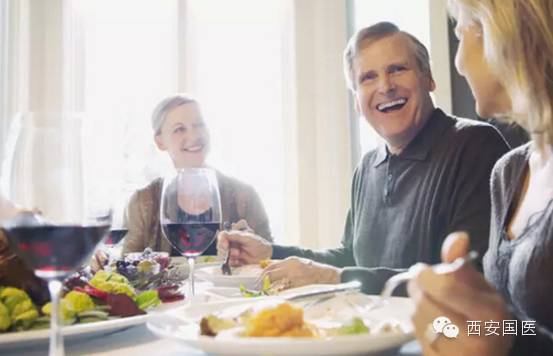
(11, 339)
(246, 275)
(182, 325)
(234, 292)
(224, 292)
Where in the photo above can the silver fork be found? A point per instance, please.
(225, 267)
(395, 281)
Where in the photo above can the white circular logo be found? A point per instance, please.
(439, 323)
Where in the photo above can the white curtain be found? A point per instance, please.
(268, 74)
(39, 78)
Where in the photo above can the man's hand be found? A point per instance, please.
(296, 272)
(245, 247)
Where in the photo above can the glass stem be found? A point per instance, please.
(191, 276)
(56, 338)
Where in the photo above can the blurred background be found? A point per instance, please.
(268, 75)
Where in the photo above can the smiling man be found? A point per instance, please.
(391, 82)
(430, 178)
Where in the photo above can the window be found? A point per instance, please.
(232, 64)
(268, 75)
(130, 63)
(237, 59)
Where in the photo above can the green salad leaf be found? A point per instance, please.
(265, 289)
(357, 326)
(147, 299)
(5, 320)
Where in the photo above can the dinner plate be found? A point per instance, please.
(182, 325)
(234, 292)
(16, 338)
(246, 275)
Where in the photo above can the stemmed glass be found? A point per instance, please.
(62, 220)
(190, 213)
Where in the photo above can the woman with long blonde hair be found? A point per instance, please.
(506, 55)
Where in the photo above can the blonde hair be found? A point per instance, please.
(169, 103)
(518, 44)
(365, 36)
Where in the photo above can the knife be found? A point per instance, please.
(342, 287)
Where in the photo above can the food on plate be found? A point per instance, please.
(147, 269)
(264, 263)
(277, 318)
(282, 320)
(140, 266)
(105, 295)
(211, 325)
(356, 326)
(111, 282)
(74, 307)
(17, 310)
(5, 319)
(147, 299)
(264, 291)
(91, 297)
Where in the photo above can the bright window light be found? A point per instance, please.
(233, 66)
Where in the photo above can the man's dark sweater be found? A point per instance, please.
(403, 206)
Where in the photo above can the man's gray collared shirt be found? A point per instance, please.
(403, 206)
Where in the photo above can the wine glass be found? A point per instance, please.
(112, 246)
(62, 219)
(190, 213)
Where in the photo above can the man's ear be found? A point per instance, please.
(159, 143)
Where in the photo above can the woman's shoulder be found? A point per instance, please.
(510, 165)
(152, 190)
(233, 185)
(507, 173)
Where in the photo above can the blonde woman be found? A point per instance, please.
(180, 130)
(506, 54)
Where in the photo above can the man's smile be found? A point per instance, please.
(391, 105)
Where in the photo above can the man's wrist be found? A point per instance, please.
(335, 275)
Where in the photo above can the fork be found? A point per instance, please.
(395, 281)
(225, 267)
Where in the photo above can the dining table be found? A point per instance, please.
(139, 340)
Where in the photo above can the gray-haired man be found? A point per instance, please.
(430, 178)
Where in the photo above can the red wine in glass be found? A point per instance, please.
(190, 213)
(115, 236)
(191, 239)
(55, 251)
(66, 216)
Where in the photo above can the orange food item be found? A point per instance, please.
(264, 263)
(282, 320)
